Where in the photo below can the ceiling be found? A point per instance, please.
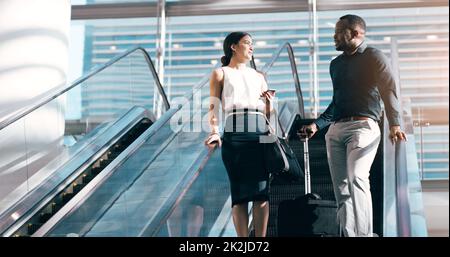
(119, 9)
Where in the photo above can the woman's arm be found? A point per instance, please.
(215, 90)
(267, 96)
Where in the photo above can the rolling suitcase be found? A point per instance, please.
(307, 215)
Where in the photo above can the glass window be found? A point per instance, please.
(194, 46)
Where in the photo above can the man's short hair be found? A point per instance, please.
(354, 21)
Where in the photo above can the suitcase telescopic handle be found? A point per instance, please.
(307, 170)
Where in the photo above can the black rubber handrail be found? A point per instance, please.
(395, 161)
(403, 209)
(292, 61)
(54, 93)
(401, 191)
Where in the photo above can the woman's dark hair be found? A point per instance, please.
(232, 38)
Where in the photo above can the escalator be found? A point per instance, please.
(79, 180)
(167, 183)
(88, 146)
(180, 189)
(143, 188)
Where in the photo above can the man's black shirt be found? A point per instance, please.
(359, 80)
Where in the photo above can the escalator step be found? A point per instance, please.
(113, 155)
(46, 212)
(86, 179)
(32, 228)
(43, 217)
(105, 163)
(66, 197)
(55, 207)
(77, 188)
(95, 171)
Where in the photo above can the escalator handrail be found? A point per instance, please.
(168, 115)
(401, 191)
(54, 93)
(403, 208)
(174, 200)
(395, 161)
(52, 185)
(292, 61)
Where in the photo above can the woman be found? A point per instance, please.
(243, 94)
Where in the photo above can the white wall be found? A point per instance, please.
(34, 41)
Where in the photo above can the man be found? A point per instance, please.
(360, 76)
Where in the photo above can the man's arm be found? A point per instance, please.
(326, 117)
(386, 85)
(321, 122)
(388, 91)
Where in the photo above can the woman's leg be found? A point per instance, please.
(240, 219)
(260, 217)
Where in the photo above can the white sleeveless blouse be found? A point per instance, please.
(242, 89)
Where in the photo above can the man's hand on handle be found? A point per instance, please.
(308, 130)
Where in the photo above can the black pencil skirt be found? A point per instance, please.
(243, 157)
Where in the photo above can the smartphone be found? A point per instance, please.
(271, 91)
